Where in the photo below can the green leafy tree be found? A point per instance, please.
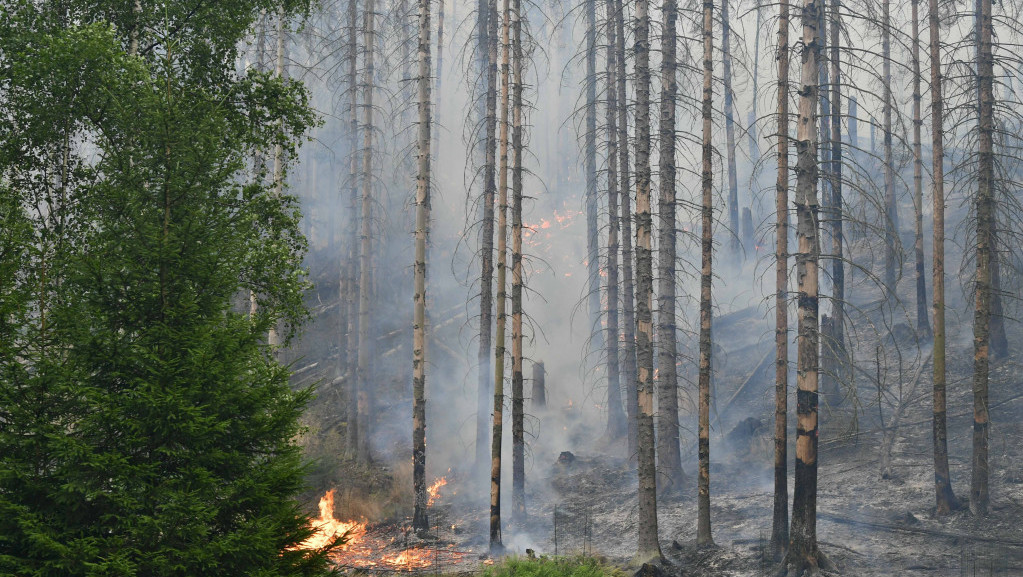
(145, 427)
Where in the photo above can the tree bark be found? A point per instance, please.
(669, 453)
(733, 184)
(502, 295)
(420, 520)
(891, 222)
(945, 498)
(979, 495)
(703, 534)
(628, 279)
(365, 254)
(648, 545)
(518, 413)
(754, 147)
(616, 421)
(487, 256)
(803, 552)
(353, 269)
(590, 161)
(923, 326)
(780, 519)
(838, 214)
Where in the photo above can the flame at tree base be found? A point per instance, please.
(367, 548)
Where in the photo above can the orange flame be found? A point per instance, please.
(434, 490)
(363, 549)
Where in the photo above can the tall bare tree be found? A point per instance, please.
(733, 179)
(648, 545)
(837, 336)
(518, 413)
(944, 496)
(420, 520)
(487, 43)
(804, 554)
(628, 279)
(365, 254)
(502, 295)
(703, 535)
(669, 454)
(780, 520)
(590, 168)
(891, 221)
(352, 297)
(985, 207)
(616, 421)
(923, 326)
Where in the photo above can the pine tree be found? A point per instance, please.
(703, 535)
(780, 519)
(420, 520)
(668, 447)
(648, 545)
(944, 496)
(157, 434)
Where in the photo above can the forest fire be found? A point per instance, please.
(434, 490)
(367, 547)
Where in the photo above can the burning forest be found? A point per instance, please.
(572, 287)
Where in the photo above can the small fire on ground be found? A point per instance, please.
(367, 547)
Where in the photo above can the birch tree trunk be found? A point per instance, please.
(669, 451)
(979, 495)
(703, 535)
(420, 520)
(944, 496)
(780, 518)
(648, 546)
(518, 410)
(923, 326)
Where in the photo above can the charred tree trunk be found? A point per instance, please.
(502, 296)
(669, 452)
(733, 184)
(944, 496)
(518, 413)
(979, 496)
(923, 327)
(703, 535)
(891, 222)
(616, 421)
(628, 286)
(487, 51)
(780, 519)
(365, 254)
(648, 545)
(420, 520)
(803, 554)
(590, 161)
(539, 389)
